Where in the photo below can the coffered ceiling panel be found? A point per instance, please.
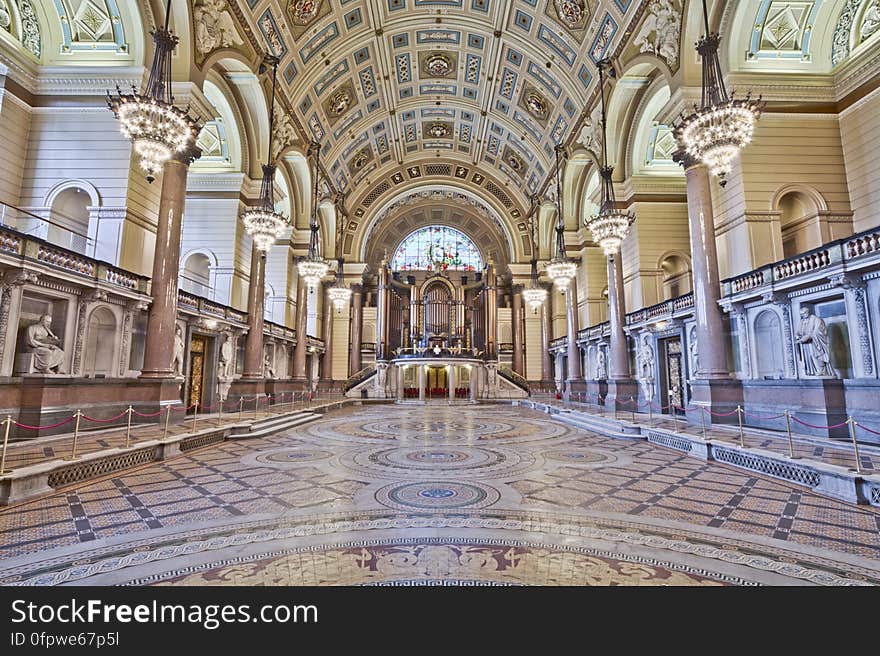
(392, 87)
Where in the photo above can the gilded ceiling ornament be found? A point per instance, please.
(438, 65)
(303, 12)
(339, 102)
(5, 16)
(536, 105)
(571, 12)
(438, 131)
(870, 21)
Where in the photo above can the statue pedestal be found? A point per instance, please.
(716, 395)
(622, 395)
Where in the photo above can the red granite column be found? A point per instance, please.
(253, 349)
(159, 347)
(491, 313)
(357, 317)
(302, 318)
(617, 317)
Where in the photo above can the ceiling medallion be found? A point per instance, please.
(438, 65)
(359, 160)
(438, 131)
(339, 103)
(303, 11)
(514, 162)
(536, 105)
(571, 12)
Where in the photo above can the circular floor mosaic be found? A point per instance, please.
(423, 462)
(575, 456)
(437, 495)
(294, 456)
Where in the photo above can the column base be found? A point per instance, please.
(622, 394)
(597, 390)
(717, 395)
(818, 401)
(573, 387)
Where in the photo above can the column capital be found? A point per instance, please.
(681, 156)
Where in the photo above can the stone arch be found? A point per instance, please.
(198, 272)
(802, 211)
(101, 333)
(769, 360)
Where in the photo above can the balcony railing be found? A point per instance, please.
(26, 248)
(665, 310)
(841, 254)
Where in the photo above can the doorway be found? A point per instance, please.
(198, 348)
(672, 374)
(437, 382)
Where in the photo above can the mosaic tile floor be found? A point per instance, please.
(438, 495)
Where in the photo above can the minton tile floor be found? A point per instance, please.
(440, 495)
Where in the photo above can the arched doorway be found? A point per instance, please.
(69, 220)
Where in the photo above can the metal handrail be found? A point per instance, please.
(38, 218)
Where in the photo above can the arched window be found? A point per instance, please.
(676, 276)
(69, 216)
(196, 275)
(437, 248)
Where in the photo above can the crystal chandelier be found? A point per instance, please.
(156, 128)
(560, 269)
(339, 294)
(611, 225)
(722, 126)
(313, 268)
(263, 223)
(535, 295)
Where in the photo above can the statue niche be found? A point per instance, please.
(43, 348)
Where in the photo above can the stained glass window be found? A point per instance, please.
(437, 248)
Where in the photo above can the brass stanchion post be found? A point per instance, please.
(78, 416)
(703, 421)
(852, 431)
(634, 406)
(195, 415)
(788, 429)
(651, 412)
(739, 415)
(167, 420)
(256, 405)
(220, 414)
(240, 407)
(8, 422)
(128, 427)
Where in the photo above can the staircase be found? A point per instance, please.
(359, 379)
(271, 425)
(512, 377)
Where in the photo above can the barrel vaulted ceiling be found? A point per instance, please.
(474, 93)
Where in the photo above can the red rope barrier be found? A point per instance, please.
(105, 421)
(720, 414)
(757, 415)
(60, 423)
(819, 427)
(151, 414)
(865, 428)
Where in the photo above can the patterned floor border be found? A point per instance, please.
(785, 561)
(495, 542)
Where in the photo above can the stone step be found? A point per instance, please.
(273, 427)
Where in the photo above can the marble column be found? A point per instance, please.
(574, 358)
(327, 332)
(707, 283)
(546, 338)
(357, 320)
(617, 317)
(400, 382)
(474, 382)
(302, 338)
(382, 305)
(421, 382)
(253, 346)
(517, 330)
(452, 382)
(159, 346)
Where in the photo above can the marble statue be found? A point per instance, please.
(268, 369)
(224, 370)
(870, 20)
(659, 32)
(646, 380)
(43, 343)
(177, 358)
(813, 343)
(214, 26)
(695, 351)
(381, 379)
(601, 365)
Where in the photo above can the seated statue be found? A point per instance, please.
(43, 343)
